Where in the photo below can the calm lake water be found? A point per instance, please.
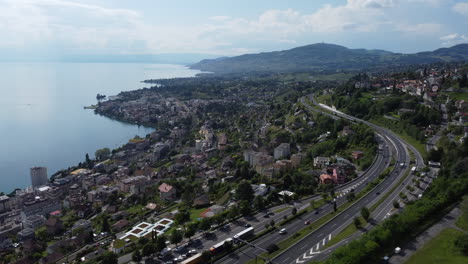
(42, 120)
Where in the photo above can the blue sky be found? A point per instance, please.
(122, 27)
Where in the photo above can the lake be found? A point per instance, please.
(42, 120)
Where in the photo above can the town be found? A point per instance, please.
(218, 155)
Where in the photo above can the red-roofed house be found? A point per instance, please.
(167, 192)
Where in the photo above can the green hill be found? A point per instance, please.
(324, 56)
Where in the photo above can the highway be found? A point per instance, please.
(382, 161)
(313, 242)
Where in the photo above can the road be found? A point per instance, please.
(382, 161)
(295, 255)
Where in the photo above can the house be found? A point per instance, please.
(320, 162)
(54, 225)
(357, 154)
(25, 234)
(167, 192)
(201, 201)
(282, 151)
(120, 225)
(346, 131)
(296, 159)
(51, 258)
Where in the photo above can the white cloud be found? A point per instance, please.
(421, 29)
(453, 39)
(461, 8)
(76, 26)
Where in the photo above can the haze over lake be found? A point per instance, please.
(42, 120)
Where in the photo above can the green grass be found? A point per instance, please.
(389, 124)
(462, 221)
(349, 230)
(333, 77)
(281, 210)
(387, 194)
(439, 250)
(324, 99)
(458, 96)
(195, 213)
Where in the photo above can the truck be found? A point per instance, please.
(414, 169)
(195, 259)
(244, 234)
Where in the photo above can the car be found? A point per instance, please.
(307, 222)
(179, 248)
(267, 216)
(247, 225)
(377, 193)
(316, 211)
(271, 213)
(282, 231)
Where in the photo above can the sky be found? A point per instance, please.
(57, 28)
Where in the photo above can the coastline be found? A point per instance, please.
(54, 158)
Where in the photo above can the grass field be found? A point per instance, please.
(458, 96)
(440, 250)
(462, 221)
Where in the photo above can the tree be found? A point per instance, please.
(205, 224)
(334, 207)
(105, 224)
(109, 258)
(259, 202)
(190, 231)
(351, 196)
(176, 237)
(244, 191)
(357, 222)
(312, 204)
(88, 160)
(102, 154)
(272, 223)
(365, 213)
(396, 204)
(136, 256)
(160, 243)
(245, 208)
(148, 249)
(294, 211)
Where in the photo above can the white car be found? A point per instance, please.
(282, 231)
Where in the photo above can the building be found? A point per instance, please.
(40, 206)
(296, 159)
(145, 229)
(54, 225)
(38, 176)
(33, 222)
(357, 154)
(320, 162)
(167, 192)
(5, 204)
(282, 151)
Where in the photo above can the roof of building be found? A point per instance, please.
(165, 187)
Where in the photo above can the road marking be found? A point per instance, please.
(329, 237)
(318, 245)
(333, 225)
(323, 242)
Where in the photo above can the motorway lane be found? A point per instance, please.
(314, 242)
(248, 253)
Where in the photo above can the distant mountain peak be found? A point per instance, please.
(326, 56)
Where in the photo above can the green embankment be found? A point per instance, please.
(440, 250)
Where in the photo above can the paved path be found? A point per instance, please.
(448, 221)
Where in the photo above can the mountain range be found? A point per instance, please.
(325, 57)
